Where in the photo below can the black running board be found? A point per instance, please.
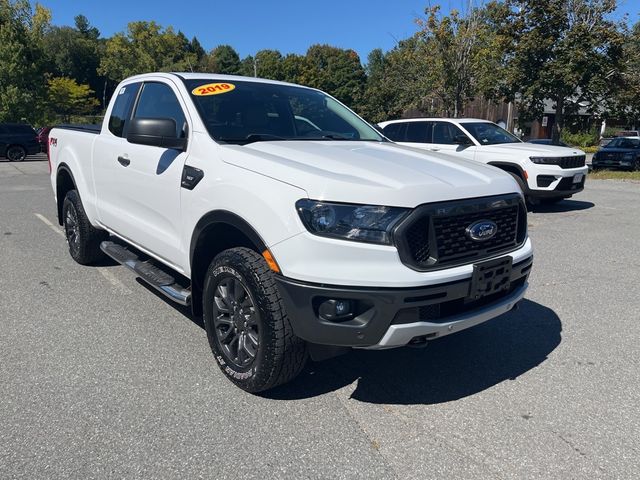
(147, 271)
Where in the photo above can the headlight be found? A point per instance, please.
(544, 160)
(627, 156)
(361, 223)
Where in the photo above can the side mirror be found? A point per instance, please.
(461, 139)
(155, 132)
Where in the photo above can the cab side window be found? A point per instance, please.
(395, 131)
(121, 111)
(157, 100)
(419, 132)
(445, 133)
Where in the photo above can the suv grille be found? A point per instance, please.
(572, 162)
(435, 235)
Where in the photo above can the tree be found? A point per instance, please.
(452, 44)
(75, 52)
(563, 50)
(66, 97)
(336, 71)
(224, 60)
(22, 63)
(146, 47)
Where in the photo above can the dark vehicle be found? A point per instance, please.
(547, 141)
(17, 141)
(619, 153)
(43, 138)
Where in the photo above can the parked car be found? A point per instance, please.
(17, 141)
(547, 141)
(544, 172)
(43, 137)
(287, 221)
(620, 153)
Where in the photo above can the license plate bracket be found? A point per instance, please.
(577, 178)
(490, 277)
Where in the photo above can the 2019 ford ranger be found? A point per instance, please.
(547, 173)
(287, 221)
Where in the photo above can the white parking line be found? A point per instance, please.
(110, 277)
(113, 280)
(49, 224)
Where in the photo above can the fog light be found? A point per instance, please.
(336, 309)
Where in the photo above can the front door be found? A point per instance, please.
(138, 186)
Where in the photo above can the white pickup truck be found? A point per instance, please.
(285, 220)
(546, 173)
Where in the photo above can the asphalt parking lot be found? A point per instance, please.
(103, 378)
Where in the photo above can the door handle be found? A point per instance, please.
(124, 161)
(434, 149)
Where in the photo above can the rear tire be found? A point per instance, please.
(16, 153)
(248, 329)
(83, 239)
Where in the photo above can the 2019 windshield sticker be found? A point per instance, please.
(212, 89)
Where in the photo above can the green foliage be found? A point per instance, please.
(581, 139)
(22, 63)
(146, 47)
(453, 46)
(224, 60)
(65, 97)
(336, 71)
(567, 51)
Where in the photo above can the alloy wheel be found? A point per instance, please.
(235, 321)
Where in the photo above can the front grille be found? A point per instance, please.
(435, 236)
(453, 242)
(572, 162)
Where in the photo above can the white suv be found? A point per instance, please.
(544, 172)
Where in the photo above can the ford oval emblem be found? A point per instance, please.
(482, 230)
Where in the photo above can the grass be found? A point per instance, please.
(614, 175)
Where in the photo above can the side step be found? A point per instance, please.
(147, 271)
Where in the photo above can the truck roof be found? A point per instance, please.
(440, 119)
(211, 76)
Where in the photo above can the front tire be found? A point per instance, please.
(16, 153)
(248, 329)
(83, 239)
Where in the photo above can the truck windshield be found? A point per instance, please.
(242, 112)
(489, 133)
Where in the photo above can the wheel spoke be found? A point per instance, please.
(227, 336)
(220, 302)
(253, 337)
(240, 352)
(238, 291)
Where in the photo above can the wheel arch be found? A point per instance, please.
(64, 183)
(215, 232)
(515, 170)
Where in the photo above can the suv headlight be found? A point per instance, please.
(360, 223)
(544, 160)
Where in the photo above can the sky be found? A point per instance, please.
(287, 25)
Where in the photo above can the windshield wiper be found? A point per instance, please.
(251, 138)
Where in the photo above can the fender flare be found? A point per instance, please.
(228, 218)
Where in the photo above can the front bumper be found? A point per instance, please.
(555, 182)
(393, 317)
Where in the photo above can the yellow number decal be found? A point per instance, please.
(212, 89)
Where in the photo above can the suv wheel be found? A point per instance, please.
(16, 153)
(83, 239)
(247, 327)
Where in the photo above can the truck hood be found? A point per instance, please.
(368, 172)
(531, 150)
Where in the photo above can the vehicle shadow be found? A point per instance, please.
(562, 206)
(184, 311)
(450, 368)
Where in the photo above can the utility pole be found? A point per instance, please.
(255, 67)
